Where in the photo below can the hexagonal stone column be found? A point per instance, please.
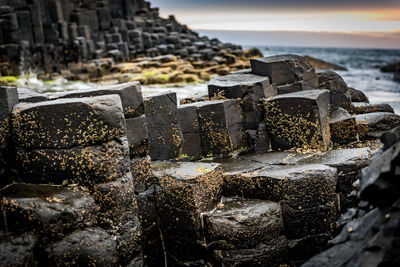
(299, 120)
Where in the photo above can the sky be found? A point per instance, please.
(335, 23)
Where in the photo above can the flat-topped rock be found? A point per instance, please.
(220, 126)
(48, 210)
(299, 120)
(286, 69)
(243, 223)
(189, 185)
(165, 135)
(309, 183)
(372, 124)
(91, 164)
(91, 246)
(343, 127)
(130, 93)
(363, 107)
(67, 123)
(339, 92)
(238, 85)
(28, 95)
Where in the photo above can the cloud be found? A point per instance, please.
(292, 4)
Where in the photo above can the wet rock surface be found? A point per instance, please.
(216, 203)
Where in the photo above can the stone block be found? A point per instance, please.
(189, 124)
(220, 126)
(372, 125)
(138, 138)
(8, 99)
(243, 223)
(189, 186)
(302, 222)
(49, 211)
(91, 164)
(91, 246)
(299, 120)
(286, 69)
(339, 92)
(17, 250)
(343, 127)
(130, 94)
(67, 123)
(363, 108)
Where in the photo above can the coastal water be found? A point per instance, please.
(362, 69)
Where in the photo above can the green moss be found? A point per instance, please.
(149, 73)
(8, 79)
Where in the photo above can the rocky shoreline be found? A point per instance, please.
(258, 173)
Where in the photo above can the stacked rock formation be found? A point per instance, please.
(49, 35)
(111, 177)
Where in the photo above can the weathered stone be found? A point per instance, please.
(303, 221)
(165, 135)
(92, 246)
(239, 85)
(363, 107)
(130, 94)
(243, 223)
(286, 69)
(220, 125)
(299, 120)
(339, 91)
(67, 123)
(8, 99)
(17, 250)
(343, 127)
(303, 248)
(92, 164)
(390, 138)
(27, 95)
(189, 124)
(310, 184)
(137, 136)
(357, 95)
(188, 186)
(48, 210)
(272, 253)
(142, 174)
(372, 124)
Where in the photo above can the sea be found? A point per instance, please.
(362, 73)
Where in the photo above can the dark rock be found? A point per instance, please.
(137, 136)
(220, 125)
(390, 67)
(286, 69)
(165, 135)
(92, 164)
(323, 65)
(243, 223)
(343, 127)
(50, 211)
(92, 246)
(299, 120)
(363, 107)
(8, 99)
(239, 85)
(189, 186)
(339, 91)
(307, 184)
(27, 95)
(301, 221)
(17, 250)
(142, 174)
(130, 94)
(390, 138)
(189, 124)
(357, 96)
(271, 253)
(303, 248)
(372, 124)
(66, 123)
